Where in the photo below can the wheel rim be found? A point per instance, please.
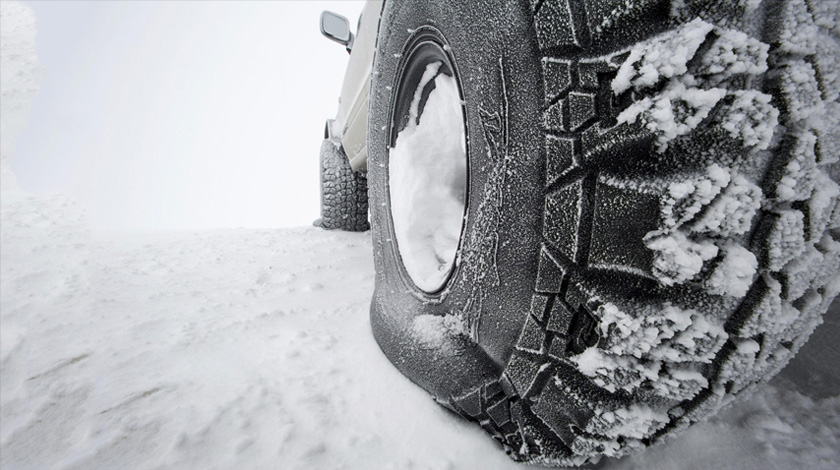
(427, 162)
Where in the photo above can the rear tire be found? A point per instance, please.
(649, 236)
(344, 198)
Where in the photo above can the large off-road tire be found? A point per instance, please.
(344, 198)
(651, 214)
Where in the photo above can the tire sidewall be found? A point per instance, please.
(496, 264)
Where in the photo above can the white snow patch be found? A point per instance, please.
(675, 112)
(796, 31)
(802, 91)
(678, 259)
(733, 53)
(734, 274)
(732, 212)
(427, 180)
(635, 348)
(666, 333)
(436, 331)
(686, 198)
(662, 57)
(787, 238)
(752, 118)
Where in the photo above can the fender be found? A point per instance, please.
(349, 128)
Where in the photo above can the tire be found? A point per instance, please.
(344, 198)
(651, 217)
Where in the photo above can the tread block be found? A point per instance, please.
(550, 273)
(603, 145)
(523, 374)
(500, 412)
(732, 211)
(532, 337)
(791, 175)
(557, 77)
(628, 20)
(492, 391)
(555, 25)
(828, 135)
(800, 271)
(560, 157)
(579, 295)
(738, 368)
(827, 64)
(732, 54)
(750, 118)
(792, 30)
(470, 403)
(581, 109)
(563, 208)
(539, 305)
(797, 84)
(557, 350)
(821, 207)
(729, 13)
(560, 412)
(825, 15)
(779, 238)
(616, 243)
(760, 311)
(653, 61)
(590, 69)
(559, 319)
(553, 118)
(826, 272)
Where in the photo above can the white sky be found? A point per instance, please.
(172, 115)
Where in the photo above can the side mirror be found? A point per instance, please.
(337, 28)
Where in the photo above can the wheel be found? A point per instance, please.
(344, 198)
(616, 218)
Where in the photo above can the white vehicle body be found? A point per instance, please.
(349, 128)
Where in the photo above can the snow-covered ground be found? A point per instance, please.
(251, 349)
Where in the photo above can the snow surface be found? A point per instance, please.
(427, 173)
(251, 349)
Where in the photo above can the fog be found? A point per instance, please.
(182, 115)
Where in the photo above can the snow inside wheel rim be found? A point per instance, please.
(427, 169)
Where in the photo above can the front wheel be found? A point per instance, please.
(597, 222)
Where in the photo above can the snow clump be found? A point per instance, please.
(732, 212)
(427, 181)
(675, 112)
(734, 53)
(678, 259)
(657, 348)
(734, 274)
(436, 331)
(661, 58)
(751, 118)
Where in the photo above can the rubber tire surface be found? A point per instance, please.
(652, 213)
(344, 198)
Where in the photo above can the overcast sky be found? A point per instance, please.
(171, 115)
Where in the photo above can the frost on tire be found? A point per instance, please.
(687, 244)
(344, 199)
(718, 219)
